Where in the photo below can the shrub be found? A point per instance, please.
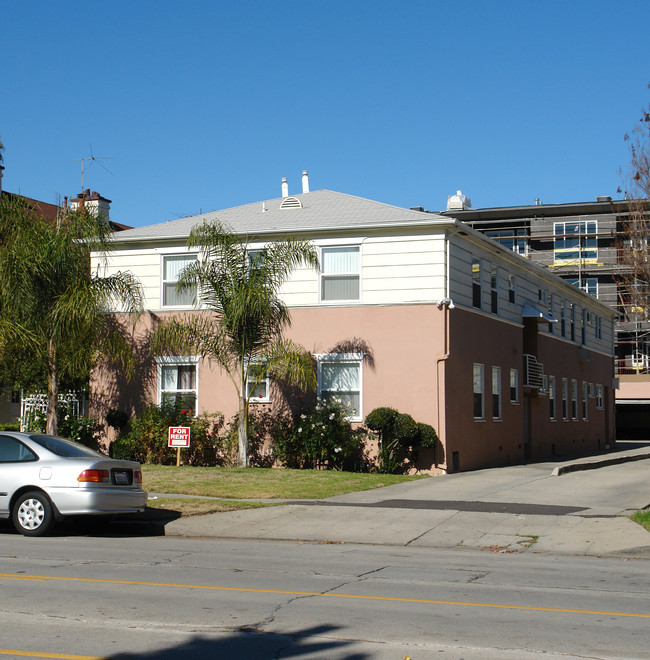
(9, 427)
(147, 439)
(399, 437)
(320, 437)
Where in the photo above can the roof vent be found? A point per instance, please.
(291, 203)
(458, 202)
(603, 198)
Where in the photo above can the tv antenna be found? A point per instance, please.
(93, 159)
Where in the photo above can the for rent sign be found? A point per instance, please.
(179, 436)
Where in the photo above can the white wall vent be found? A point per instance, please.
(291, 203)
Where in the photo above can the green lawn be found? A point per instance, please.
(237, 484)
(258, 483)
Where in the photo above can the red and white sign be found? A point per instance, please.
(179, 436)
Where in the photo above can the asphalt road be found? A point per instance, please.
(170, 598)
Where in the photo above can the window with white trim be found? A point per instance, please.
(340, 273)
(476, 283)
(170, 295)
(565, 399)
(339, 377)
(177, 381)
(496, 392)
(585, 401)
(514, 386)
(551, 397)
(494, 289)
(574, 399)
(576, 242)
(477, 387)
(257, 385)
(600, 400)
(512, 291)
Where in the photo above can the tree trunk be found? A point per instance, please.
(52, 390)
(242, 427)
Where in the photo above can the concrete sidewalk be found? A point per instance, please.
(574, 507)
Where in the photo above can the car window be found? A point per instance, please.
(64, 447)
(14, 451)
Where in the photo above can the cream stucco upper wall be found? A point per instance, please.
(406, 265)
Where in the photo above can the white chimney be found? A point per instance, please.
(285, 187)
(305, 181)
(458, 202)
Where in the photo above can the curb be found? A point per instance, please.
(592, 465)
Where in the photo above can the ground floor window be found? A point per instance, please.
(177, 381)
(257, 385)
(339, 376)
(551, 397)
(479, 406)
(496, 392)
(585, 401)
(565, 399)
(599, 397)
(514, 386)
(574, 399)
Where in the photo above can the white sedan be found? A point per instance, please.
(44, 478)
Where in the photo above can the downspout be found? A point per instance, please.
(446, 304)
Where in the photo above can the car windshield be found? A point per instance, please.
(64, 447)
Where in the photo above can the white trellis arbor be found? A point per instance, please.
(34, 405)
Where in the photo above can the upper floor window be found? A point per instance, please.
(494, 289)
(599, 327)
(339, 376)
(476, 283)
(576, 241)
(513, 239)
(587, 284)
(172, 265)
(512, 291)
(339, 277)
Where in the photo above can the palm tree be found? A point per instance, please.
(52, 307)
(243, 332)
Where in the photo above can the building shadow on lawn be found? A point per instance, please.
(249, 643)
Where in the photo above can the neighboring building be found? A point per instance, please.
(581, 243)
(409, 309)
(10, 402)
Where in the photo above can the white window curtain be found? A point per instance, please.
(172, 267)
(342, 380)
(340, 273)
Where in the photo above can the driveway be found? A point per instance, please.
(508, 509)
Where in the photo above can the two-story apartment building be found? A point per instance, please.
(409, 309)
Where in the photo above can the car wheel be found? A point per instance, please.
(32, 514)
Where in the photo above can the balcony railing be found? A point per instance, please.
(632, 365)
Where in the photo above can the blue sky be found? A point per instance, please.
(198, 106)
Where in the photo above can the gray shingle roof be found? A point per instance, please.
(321, 210)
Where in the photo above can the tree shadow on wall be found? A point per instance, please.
(112, 388)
